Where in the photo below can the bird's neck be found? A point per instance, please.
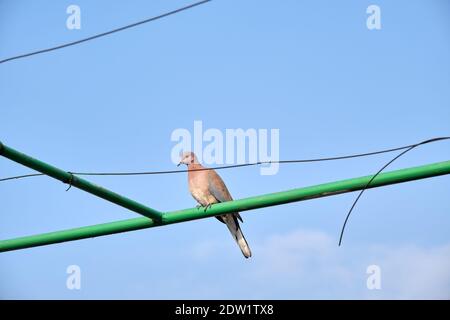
(194, 166)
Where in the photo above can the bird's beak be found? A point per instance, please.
(178, 164)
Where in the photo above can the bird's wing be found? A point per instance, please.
(217, 187)
(219, 190)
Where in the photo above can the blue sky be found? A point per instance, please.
(311, 69)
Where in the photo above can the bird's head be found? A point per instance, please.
(187, 158)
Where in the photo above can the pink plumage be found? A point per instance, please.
(207, 187)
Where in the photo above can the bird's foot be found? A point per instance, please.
(209, 205)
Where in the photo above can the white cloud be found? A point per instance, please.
(417, 273)
(308, 264)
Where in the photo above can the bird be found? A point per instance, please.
(208, 188)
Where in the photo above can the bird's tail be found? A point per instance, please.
(233, 225)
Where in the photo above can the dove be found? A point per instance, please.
(208, 188)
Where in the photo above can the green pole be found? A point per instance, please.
(78, 182)
(272, 199)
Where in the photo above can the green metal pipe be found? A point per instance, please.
(272, 199)
(78, 182)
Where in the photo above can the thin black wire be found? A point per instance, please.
(379, 171)
(233, 166)
(105, 33)
(215, 168)
(240, 165)
(23, 176)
